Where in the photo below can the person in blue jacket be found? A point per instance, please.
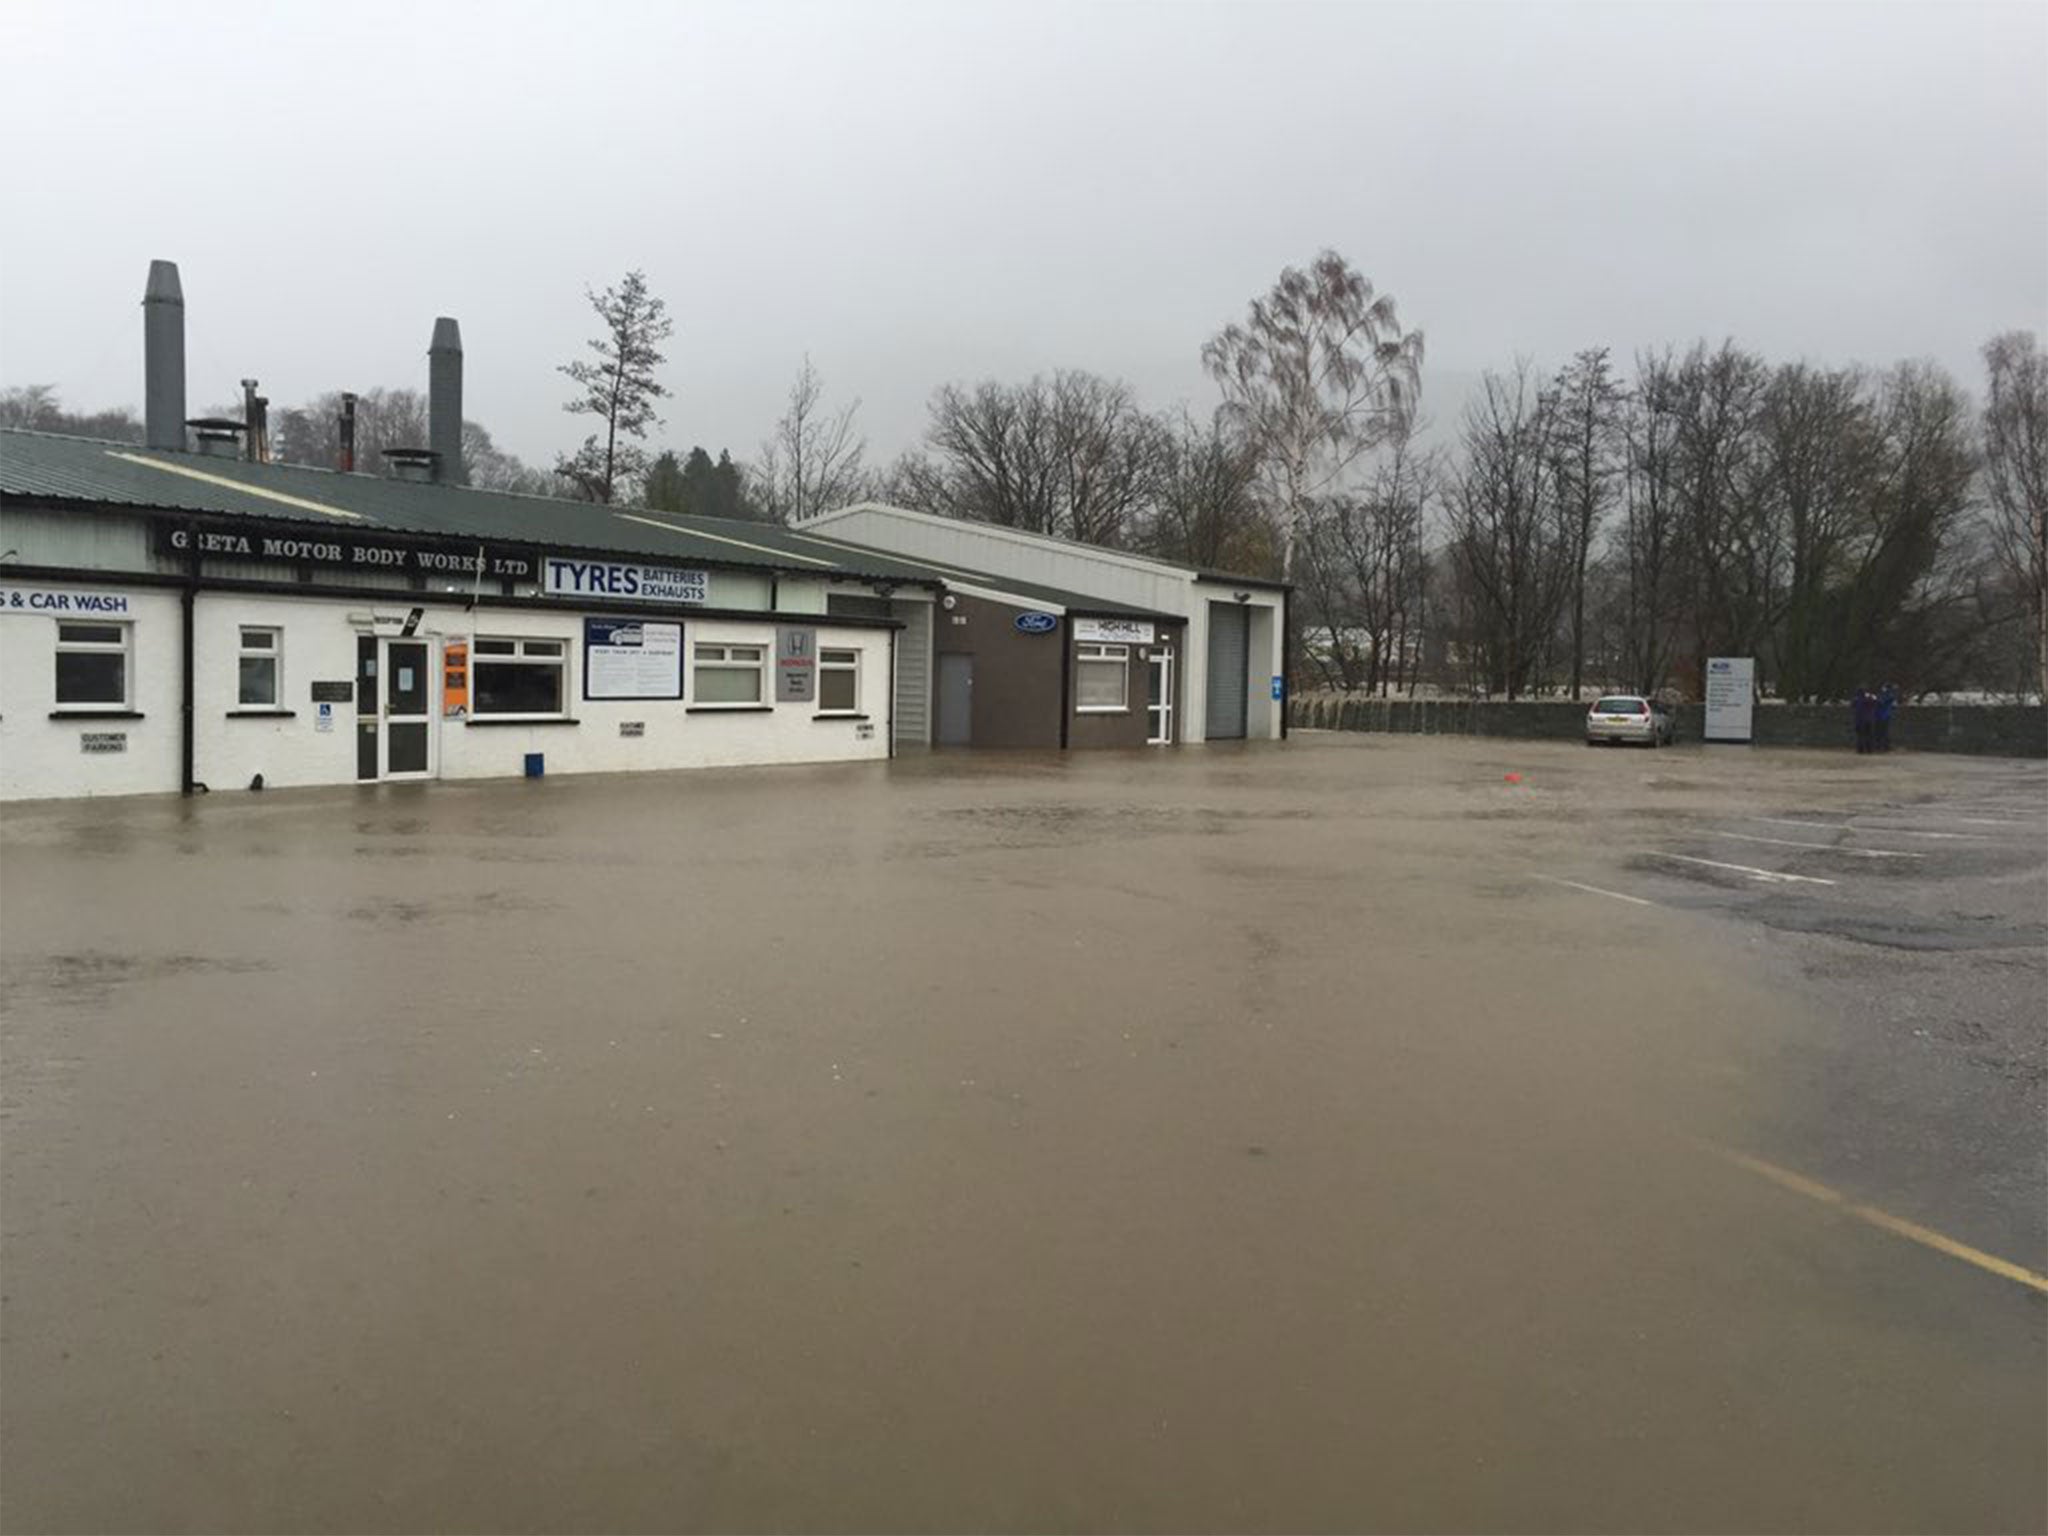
(1887, 703)
(1863, 711)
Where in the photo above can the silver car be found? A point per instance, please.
(1629, 717)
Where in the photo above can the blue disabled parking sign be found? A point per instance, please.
(1279, 688)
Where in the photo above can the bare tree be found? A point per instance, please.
(37, 408)
(1318, 373)
(1206, 509)
(1507, 536)
(2016, 476)
(618, 386)
(813, 462)
(1587, 459)
(1072, 455)
(385, 418)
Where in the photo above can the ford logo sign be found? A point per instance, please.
(1038, 623)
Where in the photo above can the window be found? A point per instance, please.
(1101, 676)
(92, 666)
(258, 685)
(517, 677)
(728, 674)
(1621, 706)
(838, 681)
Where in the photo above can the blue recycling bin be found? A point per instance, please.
(536, 764)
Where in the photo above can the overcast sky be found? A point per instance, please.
(915, 194)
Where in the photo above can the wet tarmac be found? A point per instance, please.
(1328, 1136)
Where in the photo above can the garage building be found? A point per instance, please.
(1228, 632)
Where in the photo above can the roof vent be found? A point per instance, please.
(220, 437)
(410, 463)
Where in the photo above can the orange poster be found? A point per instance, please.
(455, 680)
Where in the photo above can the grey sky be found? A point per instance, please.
(921, 193)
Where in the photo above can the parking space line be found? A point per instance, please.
(1596, 890)
(1750, 870)
(1786, 842)
(1884, 1221)
(1813, 826)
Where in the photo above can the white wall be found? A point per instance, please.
(41, 756)
(320, 643)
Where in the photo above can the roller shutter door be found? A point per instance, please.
(1229, 674)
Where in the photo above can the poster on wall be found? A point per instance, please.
(632, 659)
(455, 680)
(796, 665)
(1731, 698)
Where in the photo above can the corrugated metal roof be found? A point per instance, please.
(86, 471)
(53, 468)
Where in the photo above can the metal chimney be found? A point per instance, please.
(347, 461)
(444, 402)
(163, 358)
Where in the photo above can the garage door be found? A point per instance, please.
(1229, 677)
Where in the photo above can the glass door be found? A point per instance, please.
(407, 719)
(1159, 699)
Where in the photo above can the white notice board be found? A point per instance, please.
(1731, 698)
(632, 659)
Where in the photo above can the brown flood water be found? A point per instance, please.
(1238, 1142)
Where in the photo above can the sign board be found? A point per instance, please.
(561, 577)
(323, 717)
(103, 741)
(1031, 623)
(333, 693)
(632, 727)
(43, 600)
(632, 659)
(1279, 689)
(349, 551)
(455, 680)
(796, 665)
(1731, 698)
(1128, 631)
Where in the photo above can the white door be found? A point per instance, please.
(1159, 699)
(405, 709)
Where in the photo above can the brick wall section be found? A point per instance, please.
(1994, 730)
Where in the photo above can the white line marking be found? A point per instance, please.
(1812, 826)
(1595, 890)
(1962, 837)
(256, 491)
(699, 533)
(1860, 853)
(1747, 869)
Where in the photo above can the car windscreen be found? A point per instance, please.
(1621, 707)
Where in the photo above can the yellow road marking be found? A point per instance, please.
(237, 485)
(699, 533)
(1884, 1221)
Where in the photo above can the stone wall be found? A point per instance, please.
(2004, 730)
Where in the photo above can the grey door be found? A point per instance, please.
(956, 700)
(1229, 674)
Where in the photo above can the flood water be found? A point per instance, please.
(1239, 1141)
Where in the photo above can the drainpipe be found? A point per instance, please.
(890, 727)
(188, 602)
(1066, 676)
(1286, 663)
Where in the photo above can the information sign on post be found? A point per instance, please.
(1731, 699)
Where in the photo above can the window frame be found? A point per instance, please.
(851, 667)
(1102, 652)
(554, 655)
(274, 654)
(124, 648)
(723, 663)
